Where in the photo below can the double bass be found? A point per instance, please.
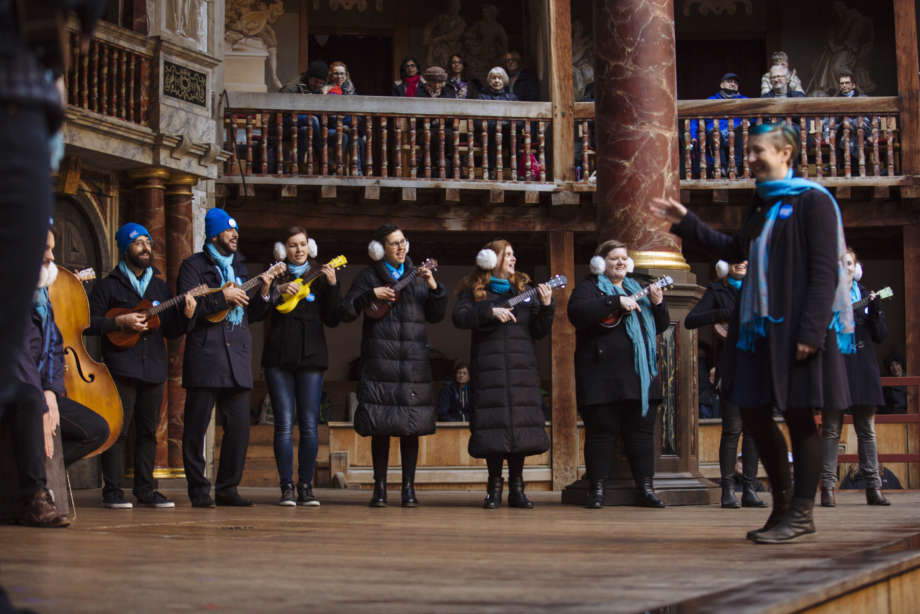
(86, 381)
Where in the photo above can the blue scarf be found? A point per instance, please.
(499, 286)
(139, 285)
(735, 283)
(394, 272)
(225, 268)
(42, 302)
(297, 270)
(642, 335)
(755, 299)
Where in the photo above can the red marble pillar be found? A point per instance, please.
(179, 246)
(636, 124)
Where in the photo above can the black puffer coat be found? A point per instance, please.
(507, 410)
(862, 367)
(395, 395)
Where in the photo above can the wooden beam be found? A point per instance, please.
(756, 107)
(451, 195)
(562, 92)
(289, 191)
(371, 193)
(328, 192)
(905, 36)
(302, 37)
(496, 197)
(565, 415)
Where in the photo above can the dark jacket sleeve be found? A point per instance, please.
(706, 312)
(359, 296)
(719, 245)
(586, 310)
(189, 277)
(258, 307)
(878, 328)
(173, 322)
(662, 317)
(53, 373)
(821, 248)
(436, 304)
(473, 315)
(541, 323)
(329, 311)
(444, 402)
(98, 306)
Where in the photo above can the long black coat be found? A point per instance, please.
(395, 395)
(802, 279)
(604, 371)
(716, 305)
(507, 410)
(217, 355)
(862, 367)
(146, 360)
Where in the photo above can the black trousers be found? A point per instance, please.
(806, 448)
(602, 425)
(141, 401)
(82, 430)
(233, 403)
(732, 427)
(408, 451)
(26, 205)
(515, 465)
(24, 416)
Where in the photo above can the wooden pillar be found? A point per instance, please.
(561, 89)
(911, 238)
(303, 40)
(564, 428)
(905, 34)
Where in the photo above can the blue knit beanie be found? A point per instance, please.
(126, 235)
(216, 221)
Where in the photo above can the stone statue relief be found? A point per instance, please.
(848, 46)
(442, 35)
(249, 25)
(485, 43)
(582, 59)
(185, 18)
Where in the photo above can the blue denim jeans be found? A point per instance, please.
(301, 390)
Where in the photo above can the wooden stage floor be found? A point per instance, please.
(447, 555)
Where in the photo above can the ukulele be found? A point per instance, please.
(218, 316)
(614, 319)
(379, 307)
(556, 281)
(885, 292)
(124, 339)
(290, 302)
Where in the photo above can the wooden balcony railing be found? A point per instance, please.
(301, 136)
(115, 78)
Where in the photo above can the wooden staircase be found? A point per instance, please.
(261, 469)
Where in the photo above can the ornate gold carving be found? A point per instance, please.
(185, 84)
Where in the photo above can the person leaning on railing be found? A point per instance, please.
(847, 89)
(435, 85)
(729, 89)
(496, 88)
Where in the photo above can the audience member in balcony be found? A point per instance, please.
(339, 82)
(848, 89)
(496, 88)
(793, 322)
(895, 396)
(507, 421)
(865, 393)
(435, 85)
(409, 78)
(779, 58)
(395, 394)
(338, 76)
(455, 77)
(454, 400)
(729, 89)
(521, 81)
(294, 359)
(311, 82)
(715, 309)
(617, 387)
(779, 85)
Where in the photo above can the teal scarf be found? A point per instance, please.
(735, 283)
(499, 286)
(225, 268)
(139, 285)
(395, 273)
(297, 270)
(42, 302)
(641, 331)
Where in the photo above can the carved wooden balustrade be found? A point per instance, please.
(841, 140)
(298, 137)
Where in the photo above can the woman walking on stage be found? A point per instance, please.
(507, 419)
(616, 370)
(395, 391)
(865, 392)
(715, 308)
(294, 359)
(792, 323)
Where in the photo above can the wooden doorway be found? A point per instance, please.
(701, 63)
(367, 56)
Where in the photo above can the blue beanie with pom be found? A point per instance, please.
(216, 221)
(126, 235)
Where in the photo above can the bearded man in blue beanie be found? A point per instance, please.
(140, 370)
(217, 367)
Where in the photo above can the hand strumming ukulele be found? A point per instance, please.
(885, 292)
(617, 316)
(290, 302)
(556, 281)
(379, 308)
(248, 285)
(128, 338)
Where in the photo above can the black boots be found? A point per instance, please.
(595, 499)
(493, 493)
(379, 498)
(797, 521)
(874, 496)
(516, 496)
(781, 502)
(749, 496)
(408, 494)
(645, 494)
(728, 494)
(827, 496)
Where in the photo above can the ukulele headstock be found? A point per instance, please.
(665, 282)
(557, 281)
(338, 262)
(85, 275)
(430, 263)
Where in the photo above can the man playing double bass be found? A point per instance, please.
(139, 370)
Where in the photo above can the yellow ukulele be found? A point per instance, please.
(288, 304)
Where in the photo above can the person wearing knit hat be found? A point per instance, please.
(217, 365)
(139, 370)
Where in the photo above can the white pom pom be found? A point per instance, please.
(721, 269)
(487, 259)
(407, 246)
(597, 265)
(857, 274)
(279, 251)
(312, 250)
(375, 250)
(630, 265)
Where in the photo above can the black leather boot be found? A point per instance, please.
(798, 521)
(645, 494)
(379, 498)
(749, 496)
(493, 493)
(874, 496)
(781, 501)
(827, 497)
(595, 499)
(516, 496)
(408, 494)
(728, 494)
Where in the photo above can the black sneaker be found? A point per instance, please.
(305, 496)
(232, 500)
(202, 501)
(154, 499)
(115, 500)
(287, 495)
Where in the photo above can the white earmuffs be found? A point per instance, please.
(858, 273)
(630, 264)
(375, 250)
(597, 265)
(722, 269)
(312, 248)
(280, 251)
(487, 259)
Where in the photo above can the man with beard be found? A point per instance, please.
(140, 370)
(41, 406)
(217, 367)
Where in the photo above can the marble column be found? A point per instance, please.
(179, 246)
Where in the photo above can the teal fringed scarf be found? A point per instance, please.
(139, 285)
(735, 283)
(395, 272)
(225, 268)
(499, 286)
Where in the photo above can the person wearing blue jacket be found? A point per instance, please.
(729, 89)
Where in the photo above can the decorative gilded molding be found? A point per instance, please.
(181, 184)
(659, 260)
(185, 83)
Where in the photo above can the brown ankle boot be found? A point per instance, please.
(874, 496)
(781, 501)
(798, 521)
(38, 510)
(828, 498)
